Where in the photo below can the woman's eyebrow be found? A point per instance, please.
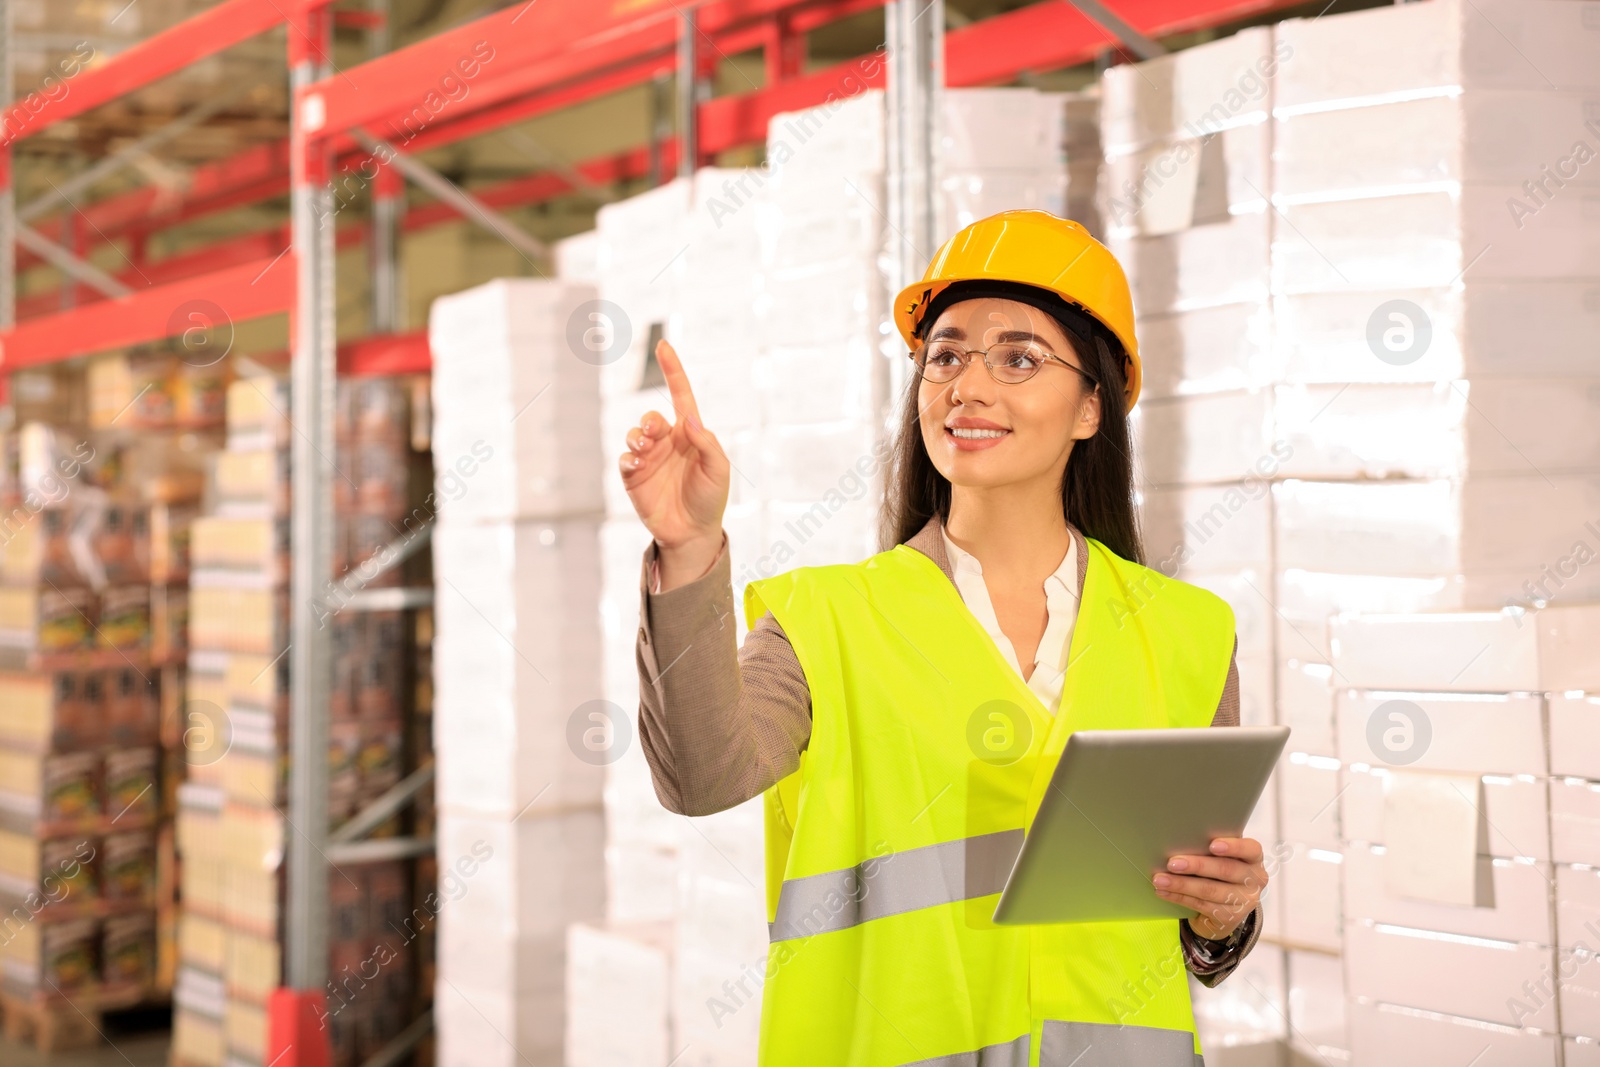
(1011, 336)
(953, 333)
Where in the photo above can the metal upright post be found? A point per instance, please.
(8, 192)
(312, 410)
(388, 208)
(915, 40)
(688, 94)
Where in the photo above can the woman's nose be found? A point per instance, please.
(973, 383)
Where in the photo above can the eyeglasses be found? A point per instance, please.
(1009, 363)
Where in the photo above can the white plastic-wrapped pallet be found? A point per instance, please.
(1392, 404)
(618, 989)
(1241, 1020)
(518, 666)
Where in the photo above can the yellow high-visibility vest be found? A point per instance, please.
(887, 849)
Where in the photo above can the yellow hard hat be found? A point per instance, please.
(1034, 248)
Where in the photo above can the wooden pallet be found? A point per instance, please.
(49, 1025)
(57, 1024)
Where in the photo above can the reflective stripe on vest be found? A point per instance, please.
(1005, 1054)
(1071, 1044)
(894, 883)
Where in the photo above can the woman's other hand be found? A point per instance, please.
(677, 477)
(1224, 887)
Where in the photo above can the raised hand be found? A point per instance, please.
(677, 476)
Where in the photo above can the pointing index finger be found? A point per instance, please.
(683, 405)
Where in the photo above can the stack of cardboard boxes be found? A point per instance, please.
(92, 630)
(1366, 292)
(522, 727)
(1470, 814)
(232, 827)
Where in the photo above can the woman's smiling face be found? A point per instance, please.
(981, 432)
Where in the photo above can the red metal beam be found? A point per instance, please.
(401, 353)
(1043, 36)
(534, 47)
(1052, 35)
(238, 294)
(211, 31)
(248, 248)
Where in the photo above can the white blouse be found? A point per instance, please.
(1061, 605)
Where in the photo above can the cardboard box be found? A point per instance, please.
(47, 711)
(1317, 1005)
(1425, 239)
(1469, 976)
(1477, 651)
(1575, 820)
(1209, 350)
(1486, 733)
(1444, 429)
(255, 479)
(1306, 706)
(716, 1008)
(1489, 135)
(1309, 787)
(1195, 92)
(128, 949)
(1478, 329)
(1200, 267)
(1236, 443)
(612, 974)
(1170, 185)
(1514, 904)
(46, 620)
(1302, 905)
(1430, 527)
(517, 668)
(1581, 1051)
(504, 349)
(1375, 54)
(1575, 734)
(258, 413)
(1579, 973)
(1577, 906)
(1248, 1012)
(1387, 1033)
(60, 792)
(1516, 811)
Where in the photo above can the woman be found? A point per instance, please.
(884, 707)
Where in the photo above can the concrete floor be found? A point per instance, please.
(134, 1040)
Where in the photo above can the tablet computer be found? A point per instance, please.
(1120, 804)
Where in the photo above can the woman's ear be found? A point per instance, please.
(1088, 422)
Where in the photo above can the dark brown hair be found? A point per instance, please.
(1097, 486)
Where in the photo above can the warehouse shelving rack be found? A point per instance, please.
(547, 55)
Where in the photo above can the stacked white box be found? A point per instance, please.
(640, 245)
(1241, 1020)
(721, 947)
(517, 661)
(999, 150)
(1420, 220)
(819, 461)
(1501, 697)
(618, 989)
(1347, 421)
